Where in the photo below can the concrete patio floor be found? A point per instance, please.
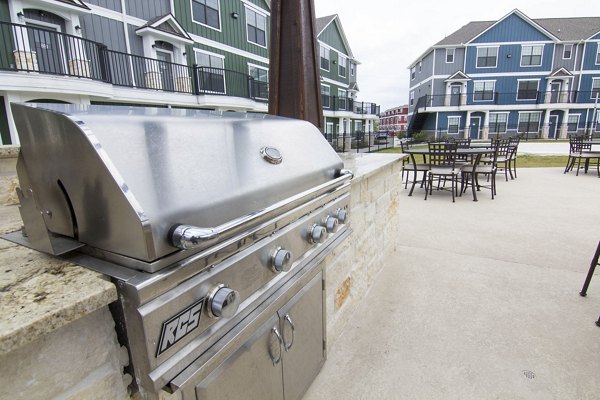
(477, 296)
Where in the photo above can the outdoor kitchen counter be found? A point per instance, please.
(366, 164)
(39, 293)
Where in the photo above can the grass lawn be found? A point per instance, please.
(523, 161)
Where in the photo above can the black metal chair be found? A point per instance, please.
(408, 166)
(502, 156)
(512, 161)
(579, 151)
(470, 173)
(590, 273)
(442, 165)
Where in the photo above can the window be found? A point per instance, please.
(256, 26)
(573, 123)
(324, 58)
(453, 124)
(598, 54)
(527, 90)
(595, 88)
(206, 12)
(352, 69)
(420, 66)
(531, 56)
(498, 122)
(342, 95)
(211, 75)
(483, 90)
(412, 98)
(449, 56)
(259, 84)
(342, 65)
(487, 57)
(567, 50)
(325, 96)
(529, 122)
(412, 73)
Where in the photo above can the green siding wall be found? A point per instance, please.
(233, 31)
(331, 36)
(4, 132)
(4, 12)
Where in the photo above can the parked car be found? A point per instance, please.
(381, 137)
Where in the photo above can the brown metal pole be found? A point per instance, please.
(294, 78)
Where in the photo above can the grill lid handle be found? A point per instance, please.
(187, 237)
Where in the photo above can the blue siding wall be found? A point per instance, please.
(512, 29)
(443, 119)
(506, 88)
(104, 30)
(509, 64)
(585, 89)
(591, 49)
(597, 37)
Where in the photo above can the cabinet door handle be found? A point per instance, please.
(289, 321)
(277, 359)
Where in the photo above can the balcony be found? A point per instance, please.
(41, 51)
(336, 103)
(511, 98)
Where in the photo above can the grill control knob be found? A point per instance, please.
(341, 215)
(281, 260)
(331, 224)
(317, 234)
(223, 302)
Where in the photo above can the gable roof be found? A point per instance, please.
(324, 22)
(75, 3)
(561, 29)
(561, 72)
(458, 76)
(522, 16)
(166, 25)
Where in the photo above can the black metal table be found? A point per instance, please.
(477, 152)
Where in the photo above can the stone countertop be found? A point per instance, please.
(365, 164)
(40, 293)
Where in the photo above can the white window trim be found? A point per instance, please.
(329, 58)
(321, 90)
(527, 80)
(453, 55)
(578, 119)
(413, 73)
(339, 64)
(507, 113)
(541, 56)
(256, 10)
(539, 113)
(352, 68)
(213, 55)
(412, 98)
(592, 88)
(597, 53)
(250, 65)
(420, 66)
(448, 125)
(345, 97)
(208, 26)
(570, 53)
(493, 91)
(487, 47)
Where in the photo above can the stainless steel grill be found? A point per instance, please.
(213, 227)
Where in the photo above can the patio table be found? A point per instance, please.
(477, 152)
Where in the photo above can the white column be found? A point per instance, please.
(546, 125)
(447, 97)
(467, 132)
(564, 127)
(486, 125)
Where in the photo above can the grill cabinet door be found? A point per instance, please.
(301, 321)
(252, 372)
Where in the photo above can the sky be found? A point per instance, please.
(386, 36)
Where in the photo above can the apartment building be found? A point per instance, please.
(205, 54)
(394, 120)
(514, 76)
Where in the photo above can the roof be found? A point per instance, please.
(76, 3)
(466, 33)
(322, 22)
(167, 25)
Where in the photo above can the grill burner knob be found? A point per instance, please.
(317, 234)
(341, 215)
(281, 260)
(331, 224)
(223, 302)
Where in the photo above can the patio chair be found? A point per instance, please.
(442, 165)
(580, 151)
(514, 146)
(408, 167)
(470, 173)
(502, 156)
(590, 273)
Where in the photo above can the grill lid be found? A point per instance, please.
(119, 179)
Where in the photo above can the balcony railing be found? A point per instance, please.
(510, 98)
(336, 103)
(29, 49)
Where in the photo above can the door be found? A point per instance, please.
(455, 95)
(302, 332)
(252, 372)
(474, 127)
(553, 127)
(45, 41)
(165, 68)
(555, 92)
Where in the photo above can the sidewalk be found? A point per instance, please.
(478, 296)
